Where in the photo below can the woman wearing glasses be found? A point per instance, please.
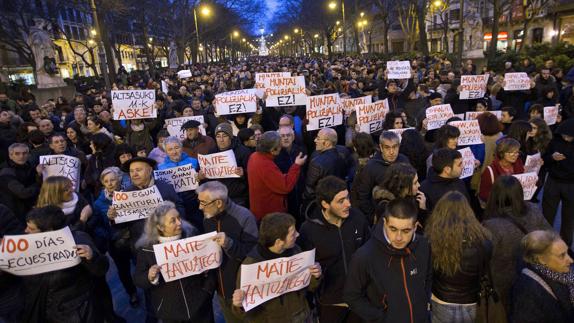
(506, 162)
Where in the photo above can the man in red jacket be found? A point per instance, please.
(268, 186)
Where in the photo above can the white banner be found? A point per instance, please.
(182, 178)
(467, 162)
(260, 81)
(38, 253)
(187, 257)
(218, 165)
(437, 115)
(135, 205)
(533, 163)
(184, 74)
(285, 91)
(516, 81)
(473, 115)
(266, 280)
(469, 132)
(370, 117)
(174, 126)
(324, 111)
(134, 104)
(399, 70)
(473, 86)
(550, 114)
(234, 102)
(349, 105)
(62, 165)
(528, 182)
(164, 87)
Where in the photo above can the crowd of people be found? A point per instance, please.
(398, 235)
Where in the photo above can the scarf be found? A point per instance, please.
(137, 127)
(168, 239)
(69, 206)
(562, 278)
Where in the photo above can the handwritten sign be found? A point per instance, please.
(473, 115)
(260, 81)
(182, 178)
(266, 280)
(174, 126)
(234, 102)
(135, 205)
(400, 131)
(550, 114)
(467, 162)
(528, 182)
(349, 105)
(133, 104)
(62, 165)
(473, 86)
(516, 81)
(370, 117)
(218, 165)
(184, 74)
(164, 87)
(533, 163)
(469, 132)
(324, 111)
(285, 91)
(38, 253)
(399, 69)
(187, 257)
(438, 115)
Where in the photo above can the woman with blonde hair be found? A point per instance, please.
(59, 191)
(461, 252)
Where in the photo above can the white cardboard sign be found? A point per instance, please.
(469, 132)
(550, 114)
(324, 111)
(473, 115)
(528, 182)
(182, 178)
(187, 257)
(370, 117)
(234, 102)
(285, 91)
(467, 162)
(135, 205)
(218, 165)
(473, 86)
(260, 81)
(184, 74)
(399, 69)
(533, 163)
(349, 105)
(174, 126)
(134, 104)
(400, 131)
(62, 165)
(516, 81)
(437, 115)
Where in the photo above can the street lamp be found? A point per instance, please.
(205, 11)
(235, 33)
(333, 6)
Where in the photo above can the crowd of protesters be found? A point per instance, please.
(398, 236)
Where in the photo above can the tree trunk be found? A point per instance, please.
(385, 31)
(422, 10)
(107, 48)
(494, 40)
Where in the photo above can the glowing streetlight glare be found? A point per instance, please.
(316, 36)
(236, 33)
(91, 42)
(437, 3)
(332, 5)
(150, 39)
(243, 40)
(339, 29)
(93, 32)
(286, 37)
(205, 11)
(362, 14)
(296, 30)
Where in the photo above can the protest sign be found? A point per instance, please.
(266, 280)
(516, 81)
(182, 178)
(459, 115)
(370, 117)
(285, 91)
(38, 253)
(133, 104)
(438, 115)
(324, 111)
(187, 257)
(174, 126)
(234, 102)
(550, 114)
(469, 132)
(473, 115)
(528, 182)
(135, 205)
(260, 81)
(349, 105)
(399, 69)
(164, 87)
(62, 165)
(218, 165)
(184, 74)
(400, 131)
(533, 163)
(473, 86)
(467, 162)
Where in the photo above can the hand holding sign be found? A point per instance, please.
(153, 273)
(84, 251)
(315, 270)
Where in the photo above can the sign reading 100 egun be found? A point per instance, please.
(285, 91)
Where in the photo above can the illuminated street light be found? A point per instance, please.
(205, 10)
(316, 36)
(91, 41)
(337, 22)
(286, 37)
(236, 33)
(332, 5)
(93, 32)
(296, 30)
(362, 14)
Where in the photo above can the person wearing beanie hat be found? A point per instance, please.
(559, 186)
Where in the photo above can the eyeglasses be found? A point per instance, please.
(204, 204)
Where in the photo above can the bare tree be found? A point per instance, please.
(532, 9)
(408, 20)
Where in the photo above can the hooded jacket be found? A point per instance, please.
(435, 187)
(385, 284)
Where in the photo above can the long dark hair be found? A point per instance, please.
(506, 198)
(413, 146)
(445, 133)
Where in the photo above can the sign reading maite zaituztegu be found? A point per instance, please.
(62, 165)
(528, 182)
(349, 105)
(218, 165)
(266, 280)
(37, 253)
(469, 132)
(187, 257)
(473, 86)
(370, 117)
(285, 91)
(135, 205)
(467, 162)
(399, 69)
(260, 80)
(182, 178)
(174, 126)
(133, 104)
(324, 111)
(234, 102)
(516, 81)
(437, 115)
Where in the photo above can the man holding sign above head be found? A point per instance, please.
(196, 143)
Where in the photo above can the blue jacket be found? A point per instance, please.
(185, 160)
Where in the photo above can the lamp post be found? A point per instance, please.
(205, 11)
(333, 6)
(236, 34)
(101, 53)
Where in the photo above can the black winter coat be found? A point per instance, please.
(436, 187)
(19, 188)
(324, 163)
(237, 187)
